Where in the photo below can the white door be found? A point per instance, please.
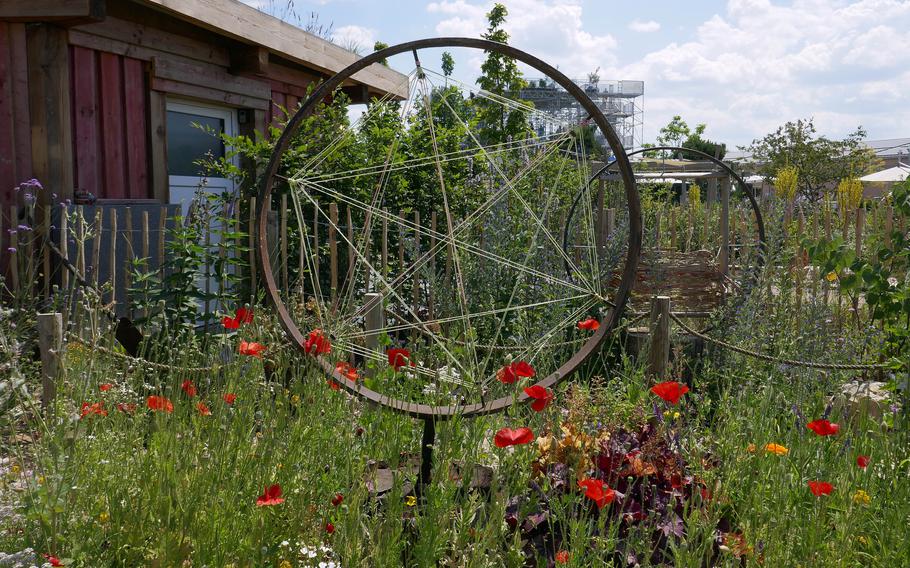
(187, 143)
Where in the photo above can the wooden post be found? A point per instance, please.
(725, 226)
(828, 220)
(50, 344)
(351, 251)
(673, 228)
(80, 240)
(64, 246)
(14, 245)
(860, 218)
(333, 250)
(611, 221)
(112, 256)
(659, 351)
(889, 225)
(96, 246)
(374, 320)
(657, 216)
(162, 231)
(384, 267)
(415, 289)
(129, 253)
(283, 235)
(251, 240)
(46, 254)
(431, 300)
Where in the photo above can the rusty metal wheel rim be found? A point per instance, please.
(437, 412)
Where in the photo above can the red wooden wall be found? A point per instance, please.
(15, 130)
(110, 122)
(287, 97)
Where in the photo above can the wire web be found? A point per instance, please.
(446, 244)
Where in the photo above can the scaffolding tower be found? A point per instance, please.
(622, 102)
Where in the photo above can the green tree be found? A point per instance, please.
(675, 132)
(821, 161)
(501, 76)
(448, 64)
(380, 45)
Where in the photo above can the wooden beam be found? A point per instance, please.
(61, 11)
(158, 146)
(250, 60)
(50, 106)
(208, 94)
(248, 25)
(212, 77)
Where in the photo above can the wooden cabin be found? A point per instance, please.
(97, 96)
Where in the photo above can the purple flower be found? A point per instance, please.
(11, 250)
(12, 231)
(24, 228)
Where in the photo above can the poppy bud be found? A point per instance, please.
(329, 528)
(337, 499)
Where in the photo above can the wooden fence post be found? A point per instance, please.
(860, 218)
(50, 344)
(14, 246)
(374, 320)
(725, 226)
(64, 246)
(112, 252)
(96, 246)
(673, 228)
(611, 221)
(659, 350)
(333, 250)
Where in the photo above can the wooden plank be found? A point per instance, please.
(194, 72)
(333, 250)
(112, 256)
(134, 39)
(135, 95)
(50, 346)
(85, 122)
(111, 111)
(283, 235)
(15, 130)
(248, 25)
(8, 174)
(249, 60)
(208, 94)
(158, 146)
(52, 10)
(50, 108)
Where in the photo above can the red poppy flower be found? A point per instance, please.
(105, 387)
(823, 427)
(819, 488)
(329, 528)
(670, 391)
(542, 397)
(188, 388)
(203, 409)
(271, 496)
(54, 561)
(562, 557)
(229, 397)
(509, 374)
(337, 499)
(333, 385)
(508, 437)
(862, 461)
(589, 324)
(159, 403)
(94, 408)
(399, 358)
(126, 407)
(346, 370)
(597, 491)
(317, 344)
(230, 323)
(244, 315)
(253, 349)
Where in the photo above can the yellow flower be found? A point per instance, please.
(666, 413)
(295, 400)
(40, 480)
(285, 564)
(104, 517)
(410, 500)
(831, 276)
(862, 540)
(676, 416)
(14, 470)
(861, 497)
(777, 449)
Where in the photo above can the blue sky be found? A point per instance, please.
(743, 67)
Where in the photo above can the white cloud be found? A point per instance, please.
(552, 30)
(644, 26)
(355, 38)
(760, 64)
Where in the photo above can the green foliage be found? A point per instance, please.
(448, 64)
(378, 46)
(501, 76)
(821, 162)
